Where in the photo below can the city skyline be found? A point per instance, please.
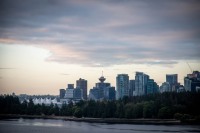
(45, 45)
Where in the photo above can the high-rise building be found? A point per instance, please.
(175, 87)
(102, 85)
(141, 80)
(165, 87)
(109, 93)
(78, 93)
(146, 79)
(70, 86)
(192, 81)
(62, 93)
(181, 89)
(102, 90)
(152, 87)
(172, 79)
(122, 85)
(131, 87)
(82, 84)
(70, 91)
(94, 94)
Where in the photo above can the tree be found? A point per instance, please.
(31, 109)
(165, 113)
(138, 110)
(56, 110)
(77, 112)
(129, 107)
(24, 107)
(148, 109)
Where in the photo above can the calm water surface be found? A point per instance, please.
(61, 126)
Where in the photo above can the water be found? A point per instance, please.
(61, 126)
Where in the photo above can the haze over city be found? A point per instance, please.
(45, 45)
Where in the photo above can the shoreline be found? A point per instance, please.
(99, 120)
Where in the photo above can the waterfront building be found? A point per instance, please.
(192, 81)
(165, 87)
(102, 90)
(175, 87)
(122, 85)
(69, 92)
(172, 79)
(70, 86)
(152, 87)
(82, 84)
(131, 87)
(78, 94)
(197, 88)
(101, 86)
(180, 89)
(94, 94)
(141, 80)
(62, 93)
(109, 93)
(146, 79)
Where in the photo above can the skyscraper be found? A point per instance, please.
(70, 91)
(62, 93)
(78, 93)
(146, 79)
(102, 91)
(122, 85)
(165, 87)
(172, 79)
(152, 87)
(141, 80)
(102, 85)
(94, 93)
(70, 86)
(82, 84)
(131, 87)
(192, 81)
(109, 93)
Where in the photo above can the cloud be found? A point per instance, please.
(2, 68)
(64, 74)
(104, 33)
(166, 63)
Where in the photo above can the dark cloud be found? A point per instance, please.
(101, 33)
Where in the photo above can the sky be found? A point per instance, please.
(47, 44)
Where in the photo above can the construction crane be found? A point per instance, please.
(189, 67)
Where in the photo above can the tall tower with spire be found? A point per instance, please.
(102, 85)
(102, 79)
(102, 90)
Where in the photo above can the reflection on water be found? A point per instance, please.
(37, 122)
(58, 126)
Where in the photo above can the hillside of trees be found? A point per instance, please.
(182, 106)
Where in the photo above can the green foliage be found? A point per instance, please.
(138, 110)
(129, 110)
(149, 109)
(77, 112)
(181, 106)
(165, 113)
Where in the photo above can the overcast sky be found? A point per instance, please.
(46, 44)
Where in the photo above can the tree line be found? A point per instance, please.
(167, 105)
